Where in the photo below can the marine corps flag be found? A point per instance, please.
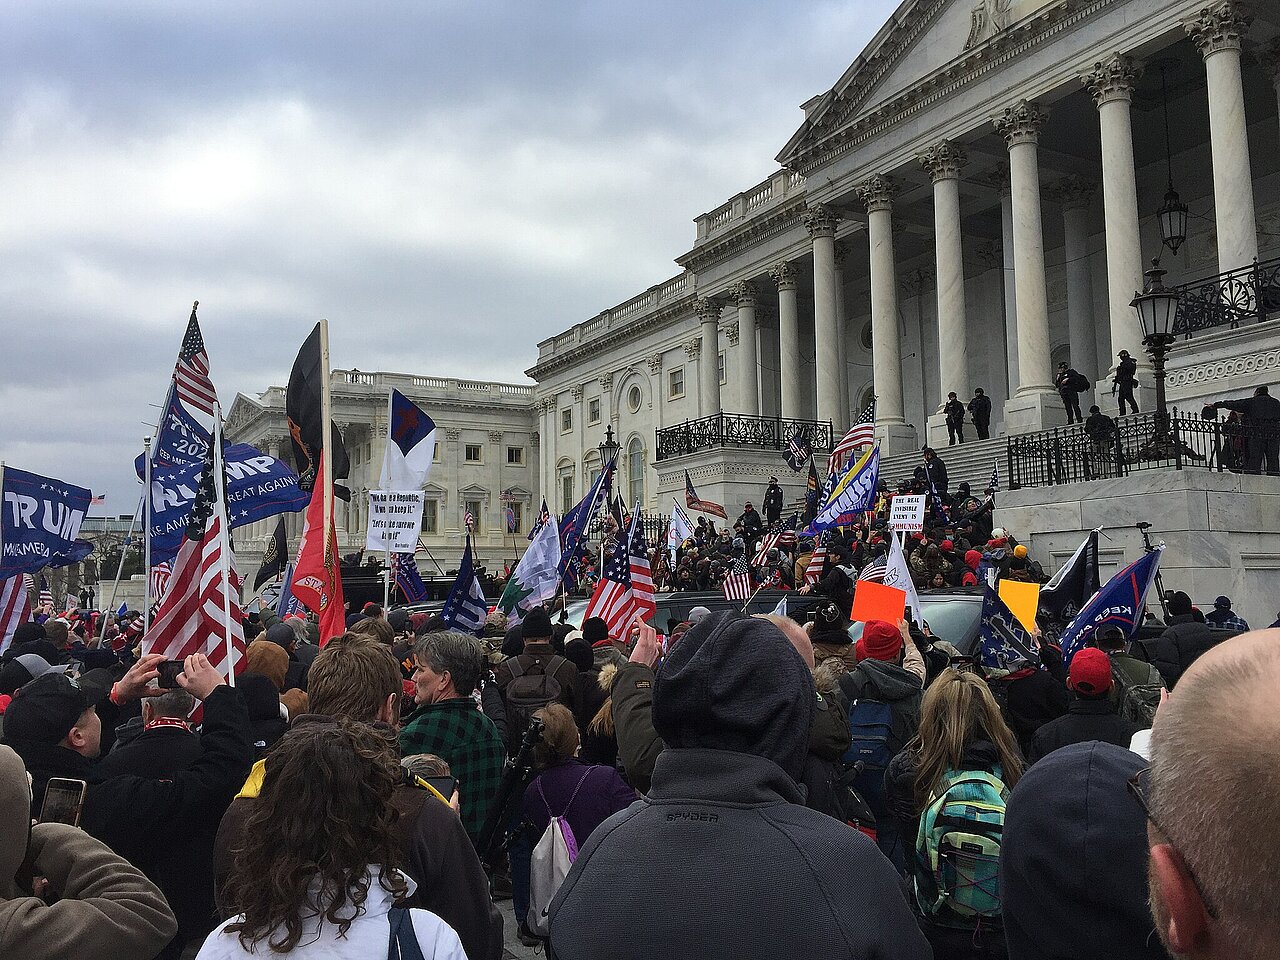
(274, 557)
(317, 578)
(306, 423)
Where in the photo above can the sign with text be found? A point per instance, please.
(395, 519)
(906, 513)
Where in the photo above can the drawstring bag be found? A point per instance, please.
(550, 862)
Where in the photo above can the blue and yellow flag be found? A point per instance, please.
(855, 491)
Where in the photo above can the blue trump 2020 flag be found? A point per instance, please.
(404, 571)
(1119, 603)
(466, 608)
(181, 441)
(1004, 643)
(41, 521)
(855, 492)
(573, 526)
(258, 486)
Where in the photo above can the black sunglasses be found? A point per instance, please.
(1138, 785)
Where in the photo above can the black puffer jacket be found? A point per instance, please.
(1086, 719)
(890, 684)
(1181, 644)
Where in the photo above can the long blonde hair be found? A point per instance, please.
(957, 710)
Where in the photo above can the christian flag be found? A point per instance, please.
(317, 578)
(410, 445)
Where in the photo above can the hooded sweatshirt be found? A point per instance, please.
(106, 907)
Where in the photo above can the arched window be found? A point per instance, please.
(635, 471)
(591, 467)
(564, 476)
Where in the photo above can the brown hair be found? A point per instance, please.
(559, 736)
(322, 825)
(269, 659)
(958, 709)
(352, 677)
(379, 629)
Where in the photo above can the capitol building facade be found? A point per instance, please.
(974, 200)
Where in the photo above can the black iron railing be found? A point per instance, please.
(1248, 295)
(654, 526)
(1071, 455)
(739, 430)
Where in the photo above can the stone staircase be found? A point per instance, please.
(967, 462)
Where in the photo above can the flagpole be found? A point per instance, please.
(146, 533)
(385, 483)
(1, 510)
(119, 567)
(224, 538)
(326, 460)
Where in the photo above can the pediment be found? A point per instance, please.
(474, 491)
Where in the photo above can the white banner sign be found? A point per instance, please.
(395, 519)
(906, 513)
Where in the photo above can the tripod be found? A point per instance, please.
(1148, 546)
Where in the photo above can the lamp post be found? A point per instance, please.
(1157, 308)
(608, 447)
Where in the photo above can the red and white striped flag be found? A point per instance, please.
(200, 612)
(160, 580)
(625, 587)
(817, 563)
(767, 543)
(469, 521)
(737, 582)
(15, 607)
(874, 571)
(861, 434)
(191, 375)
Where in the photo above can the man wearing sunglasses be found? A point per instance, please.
(1210, 795)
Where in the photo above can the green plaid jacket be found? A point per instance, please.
(457, 732)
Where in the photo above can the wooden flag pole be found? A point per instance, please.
(326, 459)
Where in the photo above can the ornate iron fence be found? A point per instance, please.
(1250, 294)
(1070, 455)
(654, 526)
(739, 430)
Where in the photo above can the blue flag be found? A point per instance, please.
(573, 526)
(124, 608)
(258, 486)
(181, 440)
(287, 603)
(852, 494)
(404, 571)
(41, 523)
(466, 609)
(543, 514)
(1118, 604)
(1004, 643)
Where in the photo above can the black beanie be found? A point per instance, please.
(594, 630)
(736, 683)
(536, 625)
(1073, 864)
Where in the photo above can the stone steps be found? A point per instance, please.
(969, 462)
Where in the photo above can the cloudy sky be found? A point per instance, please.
(407, 170)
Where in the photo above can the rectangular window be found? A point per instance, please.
(566, 419)
(515, 523)
(472, 453)
(475, 508)
(430, 516)
(435, 452)
(720, 366)
(675, 384)
(515, 456)
(593, 410)
(566, 490)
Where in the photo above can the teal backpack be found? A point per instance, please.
(958, 846)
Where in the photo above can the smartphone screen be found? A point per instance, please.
(169, 670)
(63, 801)
(443, 785)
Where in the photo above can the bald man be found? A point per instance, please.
(1211, 795)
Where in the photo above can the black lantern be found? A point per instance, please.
(608, 448)
(1173, 213)
(1157, 308)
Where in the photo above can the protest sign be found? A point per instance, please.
(395, 518)
(906, 513)
(1022, 599)
(875, 601)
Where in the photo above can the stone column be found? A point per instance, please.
(1010, 290)
(1217, 31)
(784, 275)
(657, 388)
(709, 366)
(1035, 405)
(820, 221)
(1111, 84)
(842, 338)
(886, 351)
(943, 162)
(451, 522)
(607, 412)
(1270, 60)
(498, 524)
(1075, 195)
(747, 359)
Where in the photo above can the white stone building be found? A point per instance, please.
(486, 461)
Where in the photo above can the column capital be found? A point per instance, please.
(745, 293)
(655, 363)
(877, 192)
(730, 332)
(576, 393)
(820, 221)
(708, 309)
(606, 382)
(943, 160)
(1021, 122)
(693, 348)
(784, 274)
(1111, 79)
(495, 436)
(1219, 26)
(1072, 192)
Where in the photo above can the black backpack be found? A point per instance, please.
(1080, 382)
(528, 692)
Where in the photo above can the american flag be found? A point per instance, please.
(160, 580)
(625, 587)
(875, 570)
(191, 375)
(200, 608)
(737, 582)
(469, 520)
(15, 606)
(46, 595)
(767, 542)
(994, 482)
(543, 515)
(702, 506)
(817, 563)
(861, 434)
(798, 451)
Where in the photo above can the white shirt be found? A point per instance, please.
(366, 939)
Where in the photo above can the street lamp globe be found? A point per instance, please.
(1157, 305)
(608, 448)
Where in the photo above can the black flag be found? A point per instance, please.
(306, 429)
(1075, 582)
(274, 557)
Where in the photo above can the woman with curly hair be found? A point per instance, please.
(317, 874)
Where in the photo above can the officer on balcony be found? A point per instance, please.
(773, 501)
(1125, 380)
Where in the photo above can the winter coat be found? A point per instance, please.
(1181, 644)
(833, 643)
(1085, 720)
(1030, 700)
(890, 684)
(1128, 672)
(980, 409)
(539, 654)
(900, 783)
(597, 745)
(730, 826)
(597, 793)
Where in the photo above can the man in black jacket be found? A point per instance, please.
(953, 411)
(1262, 426)
(935, 470)
(1092, 714)
(773, 501)
(1125, 380)
(1068, 384)
(1184, 640)
(980, 413)
(733, 702)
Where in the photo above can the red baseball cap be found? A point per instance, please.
(1090, 672)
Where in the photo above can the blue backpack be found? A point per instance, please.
(871, 724)
(958, 845)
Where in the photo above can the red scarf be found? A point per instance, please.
(173, 722)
